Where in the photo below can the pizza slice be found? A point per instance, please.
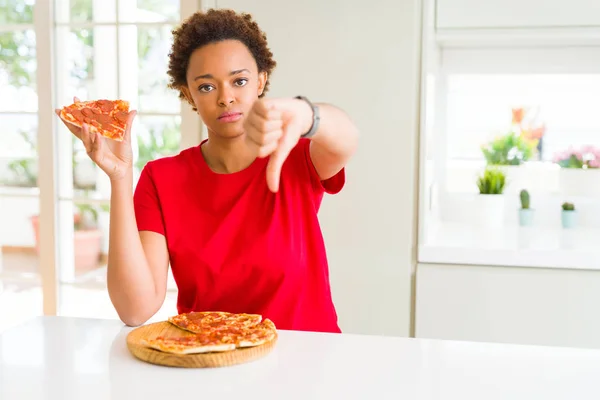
(257, 334)
(197, 322)
(225, 338)
(107, 117)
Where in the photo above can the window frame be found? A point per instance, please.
(481, 51)
(55, 188)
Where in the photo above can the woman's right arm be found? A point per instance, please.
(138, 262)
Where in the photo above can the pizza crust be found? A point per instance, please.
(167, 346)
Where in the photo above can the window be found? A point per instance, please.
(102, 49)
(18, 157)
(562, 106)
(530, 112)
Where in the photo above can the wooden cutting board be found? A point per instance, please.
(202, 360)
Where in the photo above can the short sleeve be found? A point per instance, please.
(148, 213)
(332, 185)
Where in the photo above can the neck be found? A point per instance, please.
(227, 155)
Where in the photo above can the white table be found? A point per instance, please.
(70, 358)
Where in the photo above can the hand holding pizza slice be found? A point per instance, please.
(93, 122)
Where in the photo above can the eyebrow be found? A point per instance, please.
(209, 76)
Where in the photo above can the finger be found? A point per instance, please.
(277, 159)
(103, 158)
(270, 144)
(262, 138)
(267, 149)
(262, 127)
(76, 99)
(86, 139)
(130, 118)
(267, 110)
(97, 153)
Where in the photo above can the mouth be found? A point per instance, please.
(230, 116)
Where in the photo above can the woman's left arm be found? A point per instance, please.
(334, 142)
(274, 126)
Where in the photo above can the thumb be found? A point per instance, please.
(286, 144)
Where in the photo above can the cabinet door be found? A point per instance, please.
(465, 14)
(554, 307)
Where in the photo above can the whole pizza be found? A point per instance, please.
(107, 117)
(214, 331)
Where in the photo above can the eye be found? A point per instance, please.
(241, 82)
(205, 88)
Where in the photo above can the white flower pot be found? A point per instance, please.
(489, 210)
(580, 182)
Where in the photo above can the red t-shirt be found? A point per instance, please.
(236, 246)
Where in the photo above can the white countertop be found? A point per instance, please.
(70, 358)
(512, 246)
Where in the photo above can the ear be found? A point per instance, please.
(262, 82)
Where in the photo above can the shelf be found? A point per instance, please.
(513, 246)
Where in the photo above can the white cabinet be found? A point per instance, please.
(466, 14)
(512, 305)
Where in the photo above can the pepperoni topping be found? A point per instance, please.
(77, 115)
(121, 116)
(105, 105)
(104, 119)
(87, 112)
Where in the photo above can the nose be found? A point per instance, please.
(226, 96)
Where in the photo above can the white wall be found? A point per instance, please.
(512, 305)
(363, 57)
(468, 14)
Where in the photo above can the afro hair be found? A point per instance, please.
(214, 26)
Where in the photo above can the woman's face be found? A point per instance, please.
(223, 82)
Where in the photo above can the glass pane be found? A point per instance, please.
(557, 108)
(85, 11)
(18, 71)
(149, 70)
(85, 172)
(156, 137)
(148, 10)
(86, 67)
(16, 11)
(18, 150)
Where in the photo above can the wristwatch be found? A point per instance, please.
(316, 118)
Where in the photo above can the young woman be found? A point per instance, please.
(235, 216)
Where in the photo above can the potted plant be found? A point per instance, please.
(491, 186)
(579, 171)
(568, 215)
(525, 212)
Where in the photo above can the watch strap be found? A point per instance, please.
(316, 118)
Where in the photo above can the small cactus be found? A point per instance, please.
(568, 206)
(524, 199)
